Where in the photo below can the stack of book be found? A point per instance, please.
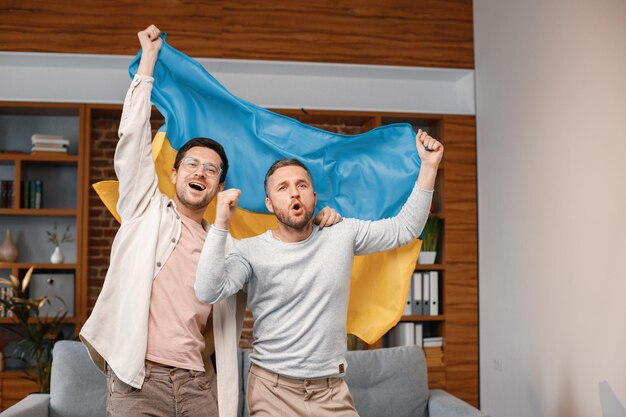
(433, 350)
(49, 143)
(7, 194)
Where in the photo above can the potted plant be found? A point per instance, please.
(36, 335)
(430, 240)
(53, 238)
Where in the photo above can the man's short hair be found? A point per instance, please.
(285, 162)
(205, 143)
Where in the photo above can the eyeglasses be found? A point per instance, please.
(209, 169)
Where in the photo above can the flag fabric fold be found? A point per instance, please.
(367, 176)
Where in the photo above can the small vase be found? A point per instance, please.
(57, 256)
(8, 249)
(426, 258)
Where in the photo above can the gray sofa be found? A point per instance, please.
(384, 383)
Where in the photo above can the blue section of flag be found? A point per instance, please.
(367, 176)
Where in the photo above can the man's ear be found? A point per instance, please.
(220, 188)
(315, 196)
(269, 205)
(174, 175)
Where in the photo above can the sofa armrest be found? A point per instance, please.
(34, 405)
(443, 404)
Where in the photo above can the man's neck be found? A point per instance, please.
(289, 234)
(193, 214)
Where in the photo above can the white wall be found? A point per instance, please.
(81, 78)
(551, 117)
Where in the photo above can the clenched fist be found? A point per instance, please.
(429, 149)
(150, 47)
(226, 203)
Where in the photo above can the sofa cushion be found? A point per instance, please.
(77, 387)
(388, 382)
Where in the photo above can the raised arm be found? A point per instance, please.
(133, 162)
(216, 277)
(376, 236)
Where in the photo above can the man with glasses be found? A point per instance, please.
(147, 331)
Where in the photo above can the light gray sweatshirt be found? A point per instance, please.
(298, 292)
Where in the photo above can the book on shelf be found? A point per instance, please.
(5, 293)
(425, 293)
(47, 138)
(433, 342)
(6, 189)
(32, 194)
(434, 293)
(52, 149)
(49, 143)
(408, 307)
(416, 288)
(405, 334)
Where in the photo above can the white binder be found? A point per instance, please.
(426, 293)
(408, 308)
(402, 335)
(434, 293)
(418, 330)
(417, 293)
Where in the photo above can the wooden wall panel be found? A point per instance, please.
(429, 33)
(461, 252)
(398, 32)
(107, 27)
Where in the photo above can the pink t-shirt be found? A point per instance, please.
(177, 319)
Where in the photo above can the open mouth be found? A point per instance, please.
(297, 207)
(197, 186)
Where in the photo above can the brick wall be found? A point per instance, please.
(102, 225)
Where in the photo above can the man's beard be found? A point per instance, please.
(294, 222)
(192, 205)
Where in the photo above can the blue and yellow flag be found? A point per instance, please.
(367, 176)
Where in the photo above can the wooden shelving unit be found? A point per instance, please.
(39, 157)
(417, 318)
(38, 212)
(63, 201)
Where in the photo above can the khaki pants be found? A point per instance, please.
(272, 395)
(166, 392)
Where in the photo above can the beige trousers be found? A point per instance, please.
(272, 395)
(166, 392)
